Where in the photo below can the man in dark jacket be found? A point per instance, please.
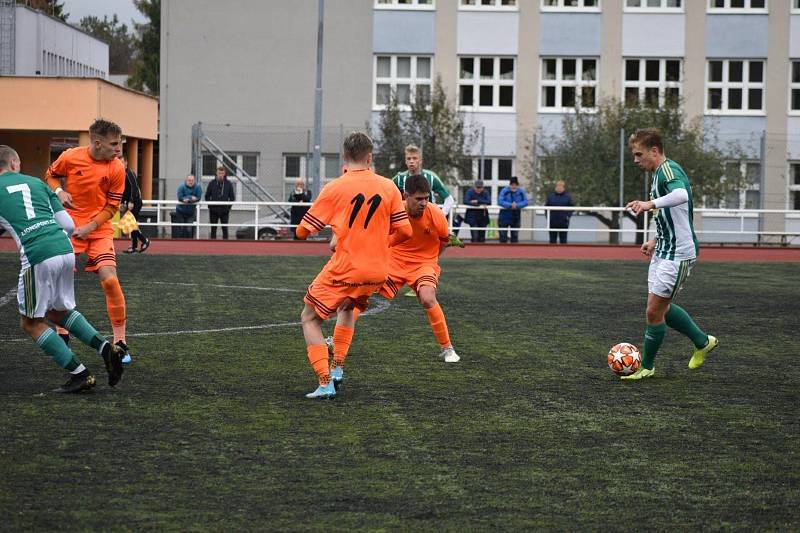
(512, 199)
(132, 201)
(299, 194)
(219, 190)
(189, 194)
(478, 217)
(559, 220)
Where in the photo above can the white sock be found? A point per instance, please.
(78, 370)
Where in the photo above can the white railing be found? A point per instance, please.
(263, 217)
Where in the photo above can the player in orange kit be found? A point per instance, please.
(414, 262)
(367, 216)
(89, 181)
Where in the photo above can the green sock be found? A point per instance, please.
(75, 323)
(653, 337)
(679, 320)
(55, 347)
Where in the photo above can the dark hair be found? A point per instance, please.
(647, 138)
(7, 155)
(104, 128)
(417, 183)
(357, 146)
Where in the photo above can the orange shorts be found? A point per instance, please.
(415, 276)
(326, 298)
(100, 252)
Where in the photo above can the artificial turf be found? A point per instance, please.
(209, 430)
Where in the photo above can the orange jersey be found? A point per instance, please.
(431, 233)
(363, 209)
(96, 187)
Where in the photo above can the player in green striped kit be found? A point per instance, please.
(673, 251)
(414, 166)
(35, 218)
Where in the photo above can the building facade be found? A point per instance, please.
(516, 67)
(35, 44)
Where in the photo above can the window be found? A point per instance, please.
(489, 4)
(486, 83)
(571, 5)
(404, 4)
(737, 6)
(735, 87)
(654, 5)
(794, 88)
(568, 83)
(298, 166)
(495, 173)
(795, 6)
(246, 161)
(407, 77)
(652, 82)
(743, 184)
(794, 187)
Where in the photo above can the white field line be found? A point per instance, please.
(378, 305)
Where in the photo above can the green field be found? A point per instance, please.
(210, 431)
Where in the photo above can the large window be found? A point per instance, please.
(246, 161)
(735, 87)
(407, 77)
(404, 4)
(486, 83)
(737, 6)
(794, 186)
(495, 173)
(742, 180)
(298, 166)
(568, 83)
(795, 6)
(654, 5)
(488, 4)
(794, 88)
(571, 5)
(652, 82)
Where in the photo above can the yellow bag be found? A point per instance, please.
(127, 223)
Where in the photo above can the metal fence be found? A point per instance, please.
(258, 220)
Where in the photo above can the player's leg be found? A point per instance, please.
(661, 278)
(426, 292)
(35, 292)
(319, 305)
(103, 261)
(343, 332)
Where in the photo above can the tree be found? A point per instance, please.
(432, 123)
(145, 76)
(121, 43)
(54, 8)
(587, 156)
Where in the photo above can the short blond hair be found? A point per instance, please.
(413, 149)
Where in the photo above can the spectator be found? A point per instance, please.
(478, 217)
(512, 199)
(132, 201)
(219, 190)
(189, 194)
(559, 220)
(300, 194)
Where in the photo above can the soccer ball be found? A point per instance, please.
(624, 359)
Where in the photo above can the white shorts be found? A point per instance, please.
(47, 285)
(665, 278)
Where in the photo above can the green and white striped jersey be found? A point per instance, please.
(437, 186)
(675, 238)
(27, 209)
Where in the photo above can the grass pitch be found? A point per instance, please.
(209, 429)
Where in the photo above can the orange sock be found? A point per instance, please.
(318, 357)
(115, 306)
(342, 338)
(61, 331)
(439, 325)
(356, 312)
